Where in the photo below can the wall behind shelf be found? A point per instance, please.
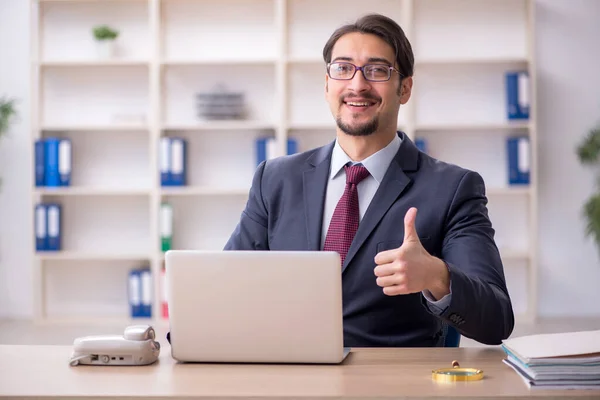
(568, 100)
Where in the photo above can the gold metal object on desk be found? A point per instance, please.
(456, 374)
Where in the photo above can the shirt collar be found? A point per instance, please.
(377, 164)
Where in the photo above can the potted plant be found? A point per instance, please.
(7, 114)
(588, 152)
(105, 40)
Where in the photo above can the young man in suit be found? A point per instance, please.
(403, 276)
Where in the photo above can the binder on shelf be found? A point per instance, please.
(519, 165)
(40, 163)
(41, 227)
(517, 95)
(165, 161)
(292, 146)
(51, 155)
(178, 162)
(421, 144)
(146, 294)
(166, 226)
(54, 227)
(135, 292)
(266, 148)
(64, 162)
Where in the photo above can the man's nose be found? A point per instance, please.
(358, 83)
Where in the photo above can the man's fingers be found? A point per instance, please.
(395, 290)
(385, 257)
(384, 270)
(391, 280)
(410, 232)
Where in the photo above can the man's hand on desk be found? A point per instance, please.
(410, 268)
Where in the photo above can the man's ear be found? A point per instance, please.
(406, 89)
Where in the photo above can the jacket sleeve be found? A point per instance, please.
(251, 231)
(480, 306)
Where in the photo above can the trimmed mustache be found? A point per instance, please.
(366, 96)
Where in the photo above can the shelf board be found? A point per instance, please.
(305, 60)
(218, 61)
(471, 61)
(320, 126)
(103, 321)
(87, 256)
(431, 61)
(508, 126)
(95, 128)
(509, 191)
(203, 191)
(90, 191)
(220, 126)
(90, 1)
(93, 63)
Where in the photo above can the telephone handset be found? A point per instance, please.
(135, 347)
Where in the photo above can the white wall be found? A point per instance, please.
(569, 106)
(568, 102)
(16, 298)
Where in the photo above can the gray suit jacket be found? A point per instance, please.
(285, 211)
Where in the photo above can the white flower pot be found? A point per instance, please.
(106, 49)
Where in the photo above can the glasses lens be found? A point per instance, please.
(377, 72)
(341, 70)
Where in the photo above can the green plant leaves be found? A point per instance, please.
(104, 32)
(7, 113)
(589, 149)
(591, 212)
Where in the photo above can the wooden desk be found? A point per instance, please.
(31, 371)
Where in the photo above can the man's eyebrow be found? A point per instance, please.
(370, 60)
(342, 59)
(379, 60)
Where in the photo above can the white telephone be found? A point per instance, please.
(136, 347)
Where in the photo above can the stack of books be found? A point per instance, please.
(568, 360)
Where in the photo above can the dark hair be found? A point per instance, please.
(384, 27)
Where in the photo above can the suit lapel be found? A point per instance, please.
(393, 184)
(315, 188)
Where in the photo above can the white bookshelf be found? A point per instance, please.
(116, 110)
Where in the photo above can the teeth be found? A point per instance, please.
(358, 104)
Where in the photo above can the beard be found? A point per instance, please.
(364, 129)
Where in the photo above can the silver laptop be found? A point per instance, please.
(255, 306)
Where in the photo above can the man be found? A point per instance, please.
(406, 273)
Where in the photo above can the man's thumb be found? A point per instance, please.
(410, 232)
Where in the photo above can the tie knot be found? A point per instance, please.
(355, 174)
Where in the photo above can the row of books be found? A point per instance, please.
(174, 157)
(48, 227)
(52, 162)
(518, 151)
(140, 293)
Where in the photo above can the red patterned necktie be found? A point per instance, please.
(344, 222)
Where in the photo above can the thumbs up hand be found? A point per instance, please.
(410, 268)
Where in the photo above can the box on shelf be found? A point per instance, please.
(220, 104)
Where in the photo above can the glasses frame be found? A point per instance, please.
(357, 68)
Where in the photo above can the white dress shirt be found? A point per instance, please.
(377, 165)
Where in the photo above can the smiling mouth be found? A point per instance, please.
(359, 106)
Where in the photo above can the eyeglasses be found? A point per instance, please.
(371, 72)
